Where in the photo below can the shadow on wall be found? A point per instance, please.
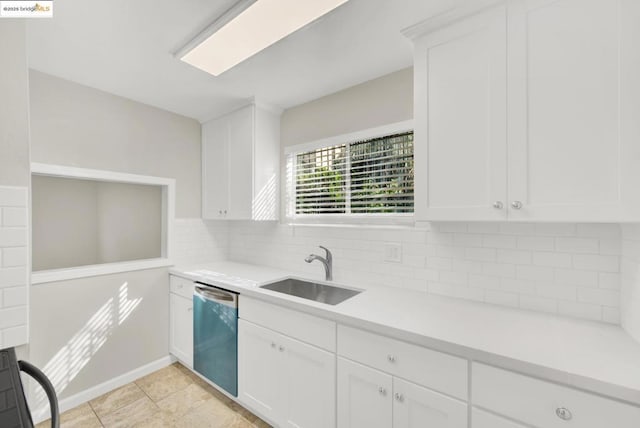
(67, 363)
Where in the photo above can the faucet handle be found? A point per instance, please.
(329, 257)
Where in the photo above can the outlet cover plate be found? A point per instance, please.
(393, 252)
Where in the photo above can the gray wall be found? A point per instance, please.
(387, 99)
(88, 331)
(84, 222)
(14, 104)
(79, 126)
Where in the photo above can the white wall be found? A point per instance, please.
(387, 99)
(14, 185)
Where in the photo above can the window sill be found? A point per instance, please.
(395, 221)
(53, 275)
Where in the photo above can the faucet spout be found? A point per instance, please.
(327, 262)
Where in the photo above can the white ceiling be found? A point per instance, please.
(125, 47)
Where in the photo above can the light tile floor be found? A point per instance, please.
(170, 397)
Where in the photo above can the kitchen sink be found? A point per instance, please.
(323, 293)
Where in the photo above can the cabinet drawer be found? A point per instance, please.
(180, 286)
(307, 328)
(435, 370)
(536, 402)
(482, 419)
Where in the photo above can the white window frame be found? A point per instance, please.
(168, 186)
(289, 216)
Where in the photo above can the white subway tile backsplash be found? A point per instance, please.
(536, 243)
(13, 265)
(13, 196)
(13, 257)
(13, 237)
(526, 265)
(596, 263)
(599, 296)
(552, 259)
(578, 245)
(580, 310)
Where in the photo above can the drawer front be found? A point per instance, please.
(482, 419)
(540, 403)
(304, 327)
(180, 286)
(435, 370)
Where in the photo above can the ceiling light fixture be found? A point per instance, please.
(249, 27)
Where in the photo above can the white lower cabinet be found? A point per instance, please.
(288, 382)
(369, 398)
(482, 419)
(181, 328)
(542, 404)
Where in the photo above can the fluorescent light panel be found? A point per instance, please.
(254, 29)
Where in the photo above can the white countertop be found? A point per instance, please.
(592, 356)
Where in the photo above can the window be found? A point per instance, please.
(360, 176)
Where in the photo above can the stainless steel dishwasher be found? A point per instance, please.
(215, 336)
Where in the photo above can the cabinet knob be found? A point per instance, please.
(190, 309)
(391, 358)
(281, 348)
(498, 205)
(563, 413)
(382, 391)
(399, 397)
(225, 212)
(220, 212)
(516, 205)
(273, 344)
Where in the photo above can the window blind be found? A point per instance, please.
(373, 176)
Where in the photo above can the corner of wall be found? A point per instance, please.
(630, 287)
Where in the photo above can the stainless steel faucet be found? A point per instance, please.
(326, 261)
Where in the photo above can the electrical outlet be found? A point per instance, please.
(393, 252)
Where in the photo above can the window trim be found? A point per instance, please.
(168, 216)
(402, 219)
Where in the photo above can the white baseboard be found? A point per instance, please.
(75, 400)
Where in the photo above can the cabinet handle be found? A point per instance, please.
(498, 205)
(382, 391)
(516, 205)
(399, 397)
(564, 413)
(391, 358)
(281, 348)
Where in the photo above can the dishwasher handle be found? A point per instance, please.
(216, 294)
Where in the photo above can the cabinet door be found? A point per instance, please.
(181, 328)
(482, 419)
(215, 167)
(565, 141)
(308, 385)
(460, 120)
(259, 369)
(364, 396)
(241, 163)
(418, 407)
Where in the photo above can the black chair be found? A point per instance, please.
(14, 411)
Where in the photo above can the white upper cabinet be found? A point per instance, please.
(529, 112)
(460, 126)
(240, 165)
